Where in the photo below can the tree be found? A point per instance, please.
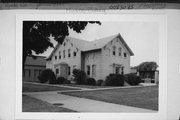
(36, 34)
(147, 66)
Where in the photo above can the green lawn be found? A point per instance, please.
(142, 97)
(30, 104)
(29, 87)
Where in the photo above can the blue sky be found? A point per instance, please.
(142, 37)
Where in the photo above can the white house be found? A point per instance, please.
(97, 58)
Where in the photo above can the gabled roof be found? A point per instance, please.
(99, 43)
(84, 45)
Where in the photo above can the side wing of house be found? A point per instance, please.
(115, 58)
(64, 59)
(33, 68)
(92, 63)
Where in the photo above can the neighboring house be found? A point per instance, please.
(33, 68)
(133, 70)
(97, 58)
(149, 76)
(146, 76)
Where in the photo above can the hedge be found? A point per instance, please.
(79, 76)
(99, 82)
(90, 81)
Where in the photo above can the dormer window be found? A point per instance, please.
(64, 44)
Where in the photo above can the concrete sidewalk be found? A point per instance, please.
(83, 104)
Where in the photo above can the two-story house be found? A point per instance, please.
(97, 58)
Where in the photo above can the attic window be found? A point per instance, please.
(64, 44)
(120, 49)
(71, 44)
(125, 55)
(74, 53)
(69, 53)
(64, 54)
(114, 50)
(59, 54)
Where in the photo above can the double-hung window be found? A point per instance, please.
(94, 70)
(64, 53)
(88, 69)
(120, 49)
(114, 50)
(69, 53)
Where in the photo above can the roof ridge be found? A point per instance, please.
(77, 38)
(115, 35)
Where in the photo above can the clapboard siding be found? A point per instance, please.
(108, 58)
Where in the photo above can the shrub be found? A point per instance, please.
(99, 82)
(114, 80)
(79, 76)
(47, 75)
(152, 81)
(66, 82)
(103, 83)
(133, 79)
(142, 81)
(90, 81)
(60, 80)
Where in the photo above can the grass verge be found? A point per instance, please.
(142, 97)
(30, 104)
(30, 87)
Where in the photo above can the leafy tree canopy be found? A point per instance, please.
(147, 66)
(36, 34)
